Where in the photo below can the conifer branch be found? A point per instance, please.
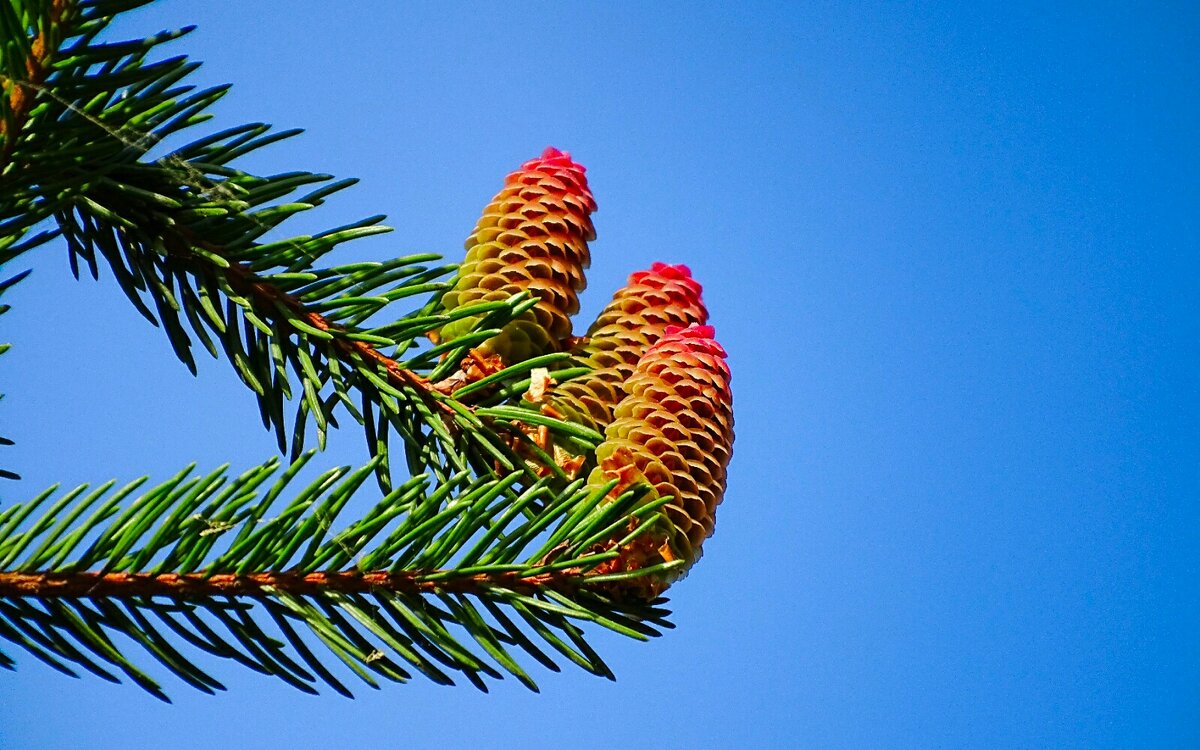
(182, 236)
(22, 92)
(489, 550)
(196, 556)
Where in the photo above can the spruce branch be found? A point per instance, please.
(490, 552)
(183, 236)
(20, 90)
(206, 562)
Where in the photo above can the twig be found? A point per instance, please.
(201, 585)
(249, 284)
(21, 99)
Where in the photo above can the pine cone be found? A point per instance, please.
(532, 237)
(673, 430)
(636, 318)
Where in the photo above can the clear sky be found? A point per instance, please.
(953, 253)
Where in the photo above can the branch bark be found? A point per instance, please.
(200, 585)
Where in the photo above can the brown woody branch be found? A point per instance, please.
(88, 584)
(200, 585)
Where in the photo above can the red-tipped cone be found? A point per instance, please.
(532, 237)
(674, 430)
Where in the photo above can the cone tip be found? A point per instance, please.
(699, 337)
(558, 157)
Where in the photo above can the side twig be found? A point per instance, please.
(21, 98)
(249, 284)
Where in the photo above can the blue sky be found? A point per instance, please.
(953, 253)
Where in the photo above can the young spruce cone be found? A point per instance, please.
(673, 430)
(532, 237)
(638, 315)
